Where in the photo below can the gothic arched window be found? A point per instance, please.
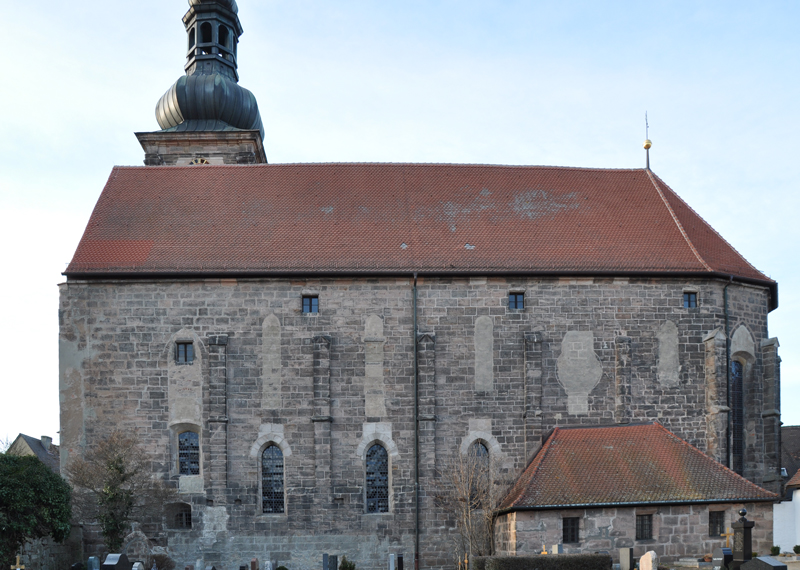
(737, 416)
(272, 480)
(478, 465)
(377, 486)
(189, 453)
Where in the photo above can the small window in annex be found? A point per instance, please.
(179, 516)
(716, 523)
(516, 300)
(377, 479)
(571, 532)
(272, 480)
(644, 527)
(310, 304)
(690, 300)
(184, 352)
(188, 453)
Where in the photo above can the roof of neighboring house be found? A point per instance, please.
(391, 218)
(794, 482)
(27, 445)
(790, 449)
(625, 465)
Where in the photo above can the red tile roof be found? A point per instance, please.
(625, 465)
(794, 481)
(391, 218)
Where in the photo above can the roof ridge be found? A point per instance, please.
(726, 242)
(678, 223)
(427, 164)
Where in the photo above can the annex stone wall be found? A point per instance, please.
(324, 386)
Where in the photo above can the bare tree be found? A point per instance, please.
(5, 443)
(115, 485)
(470, 488)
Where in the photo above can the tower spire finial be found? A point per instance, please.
(647, 142)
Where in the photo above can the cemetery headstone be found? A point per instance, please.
(325, 561)
(267, 565)
(211, 568)
(242, 567)
(77, 566)
(626, 559)
(137, 566)
(391, 562)
(116, 562)
(93, 563)
(742, 541)
(254, 564)
(399, 562)
(763, 563)
(721, 558)
(557, 549)
(649, 561)
(333, 562)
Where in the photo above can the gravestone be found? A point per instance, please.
(116, 562)
(93, 563)
(399, 562)
(721, 558)
(333, 562)
(763, 563)
(211, 568)
(391, 562)
(557, 549)
(254, 564)
(267, 565)
(626, 559)
(742, 541)
(77, 566)
(325, 561)
(649, 561)
(137, 566)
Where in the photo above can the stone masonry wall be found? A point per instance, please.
(678, 531)
(581, 352)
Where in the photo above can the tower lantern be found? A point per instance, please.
(206, 117)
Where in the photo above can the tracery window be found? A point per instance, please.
(737, 416)
(189, 453)
(478, 464)
(377, 484)
(272, 500)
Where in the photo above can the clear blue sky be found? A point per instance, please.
(552, 83)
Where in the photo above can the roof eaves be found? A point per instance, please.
(640, 503)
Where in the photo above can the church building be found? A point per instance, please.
(303, 348)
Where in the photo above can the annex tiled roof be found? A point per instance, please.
(625, 465)
(790, 449)
(794, 482)
(390, 218)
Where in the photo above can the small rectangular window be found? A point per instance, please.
(516, 300)
(184, 353)
(644, 527)
(690, 300)
(716, 523)
(572, 527)
(310, 304)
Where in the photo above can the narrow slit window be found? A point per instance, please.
(478, 464)
(377, 479)
(690, 300)
(189, 453)
(272, 480)
(644, 527)
(571, 532)
(716, 523)
(184, 353)
(310, 304)
(516, 300)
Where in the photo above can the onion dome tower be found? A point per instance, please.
(206, 117)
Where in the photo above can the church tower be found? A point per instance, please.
(206, 117)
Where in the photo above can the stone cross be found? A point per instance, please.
(18, 566)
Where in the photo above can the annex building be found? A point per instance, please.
(304, 347)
